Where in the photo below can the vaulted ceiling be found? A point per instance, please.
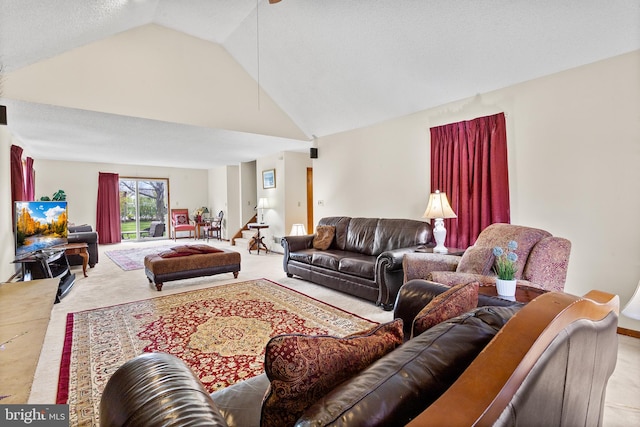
(204, 83)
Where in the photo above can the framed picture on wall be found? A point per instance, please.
(269, 178)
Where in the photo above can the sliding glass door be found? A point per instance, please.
(143, 208)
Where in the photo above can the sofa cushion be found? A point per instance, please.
(454, 302)
(358, 265)
(328, 259)
(303, 255)
(477, 260)
(397, 387)
(304, 368)
(240, 403)
(324, 236)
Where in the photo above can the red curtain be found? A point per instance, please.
(29, 180)
(469, 163)
(17, 179)
(108, 209)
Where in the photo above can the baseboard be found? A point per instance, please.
(629, 332)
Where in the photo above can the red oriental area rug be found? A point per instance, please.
(220, 332)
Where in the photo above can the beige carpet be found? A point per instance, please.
(220, 332)
(108, 285)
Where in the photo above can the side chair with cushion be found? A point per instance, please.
(542, 259)
(215, 228)
(180, 222)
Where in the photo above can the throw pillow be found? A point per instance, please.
(454, 302)
(304, 368)
(324, 236)
(180, 219)
(204, 249)
(477, 260)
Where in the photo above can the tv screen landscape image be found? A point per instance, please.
(40, 225)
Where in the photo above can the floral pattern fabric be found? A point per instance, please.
(304, 368)
(454, 302)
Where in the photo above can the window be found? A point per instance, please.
(142, 200)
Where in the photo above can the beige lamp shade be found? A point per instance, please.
(263, 203)
(438, 206)
(298, 230)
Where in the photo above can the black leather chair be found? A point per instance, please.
(156, 229)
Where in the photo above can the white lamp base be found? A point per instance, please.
(440, 233)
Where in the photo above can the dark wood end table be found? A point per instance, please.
(524, 294)
(81, 249)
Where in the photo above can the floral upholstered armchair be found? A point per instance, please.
(180, 222)
(542, 259)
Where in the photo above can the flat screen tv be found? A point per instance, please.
(40, 225)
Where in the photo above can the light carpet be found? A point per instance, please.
(220, 332)
(133, 259)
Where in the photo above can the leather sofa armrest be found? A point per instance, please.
(156, 389)
(394, 258)
(83, 237)
(296, 243)
(418, 265)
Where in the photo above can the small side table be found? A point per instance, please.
(450, 251)
(524, 294)
(81, 249)
(259, 239)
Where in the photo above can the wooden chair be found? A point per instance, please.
(180, 222)
(215, 227)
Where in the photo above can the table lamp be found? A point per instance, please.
(438, 208)
(632, 309)
(263, 204)
(298, 230)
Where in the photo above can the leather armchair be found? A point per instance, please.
(542, 259)
(180, 222)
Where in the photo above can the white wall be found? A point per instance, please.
(574, 167)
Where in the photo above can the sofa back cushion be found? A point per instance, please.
(400, 233)
(361, 235)
(400, 385)
(372, 236)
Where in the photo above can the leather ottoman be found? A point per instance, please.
(161, 269)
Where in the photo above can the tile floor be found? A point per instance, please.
(107, 284)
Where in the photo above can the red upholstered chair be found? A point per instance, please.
(180, 222)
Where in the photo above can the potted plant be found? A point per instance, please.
(506, 268)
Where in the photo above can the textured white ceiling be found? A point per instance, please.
(331, 65)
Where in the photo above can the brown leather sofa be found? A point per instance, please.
(549, 365)
(364, 258)
(83, 234)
